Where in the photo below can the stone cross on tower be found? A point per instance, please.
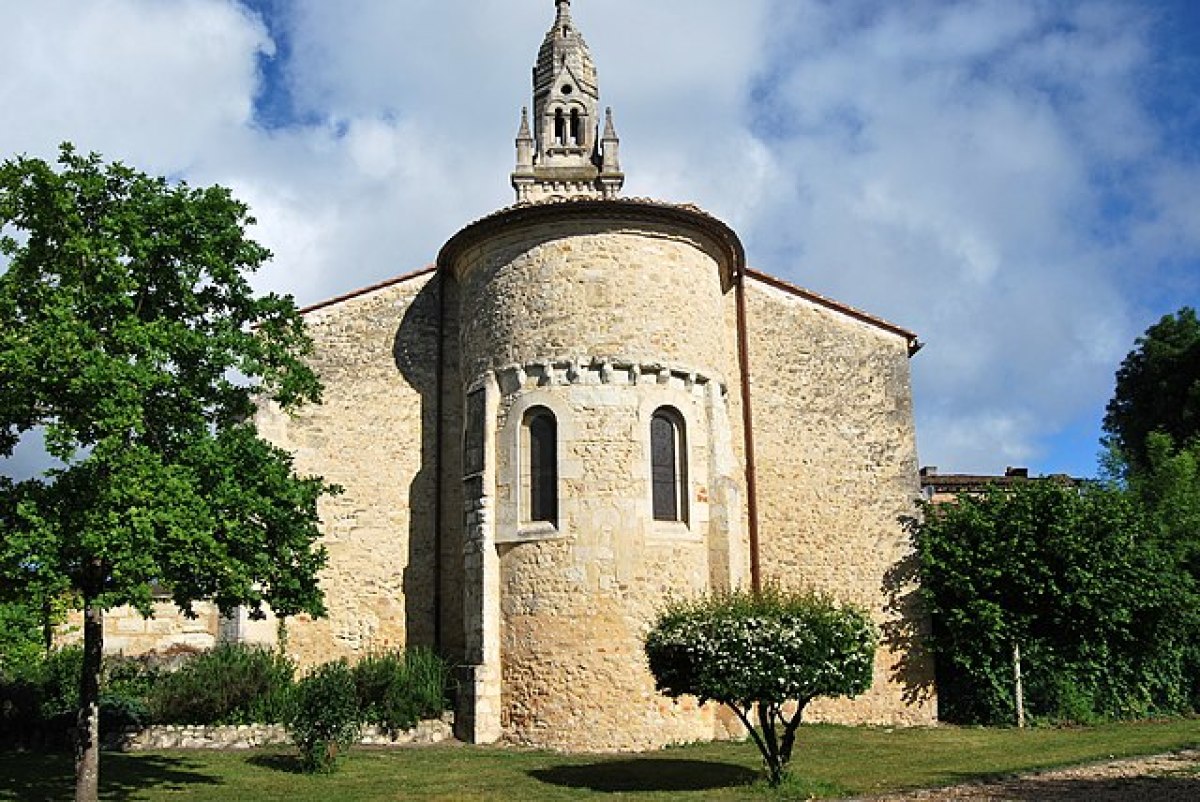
(565, 154)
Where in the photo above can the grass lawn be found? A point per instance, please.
(830, 762)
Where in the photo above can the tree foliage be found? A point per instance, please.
(1071, 575)
(130, 334)
(1157, 389)
(1169, 487)
(772, 652)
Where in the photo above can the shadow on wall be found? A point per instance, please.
(415, 350)
(907, 630)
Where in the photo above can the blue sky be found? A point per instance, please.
(1015, 180)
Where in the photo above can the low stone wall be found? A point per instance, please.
(253, 736)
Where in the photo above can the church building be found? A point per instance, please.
(590, 404)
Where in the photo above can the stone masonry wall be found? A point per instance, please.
(127, 632)
(255, 736)
(375, 436)
(837, 470)
(576, 603)
(586, 318)
(593, 291)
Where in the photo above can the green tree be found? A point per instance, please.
(129, 333)
(1169, 486)
(20, 636)
(770, 652)
(1068, 580)
(1157, 389)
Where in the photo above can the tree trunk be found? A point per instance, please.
(87, 733)
(47, 624)
(789, 733)
(1019, 686)
(770, 738)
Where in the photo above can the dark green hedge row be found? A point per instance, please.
(231, 684)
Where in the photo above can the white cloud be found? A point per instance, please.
(946, 157)
(144, 81)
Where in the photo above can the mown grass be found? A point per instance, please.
(831, 762)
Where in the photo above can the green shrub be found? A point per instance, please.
(231, 684)
(20, 712)
(58, 679)
(1073, 576)
(397, 689)
(431, 679)
(324, 719)
(39, 699)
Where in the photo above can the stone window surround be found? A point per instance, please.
(528, 480)
(514, 526)
(679, 464)
(681, 403)
(523, 387)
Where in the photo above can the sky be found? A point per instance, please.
(1014, 180)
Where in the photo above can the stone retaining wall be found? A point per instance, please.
(253, 736)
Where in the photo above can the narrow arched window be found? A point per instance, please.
(540, 480)
(668, 465)
(560, 128)
(576, 128)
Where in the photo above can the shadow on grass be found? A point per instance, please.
(289, 764)
(618, 776)
(42, 777)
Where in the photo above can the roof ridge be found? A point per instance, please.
(382, 285)
(914, 342)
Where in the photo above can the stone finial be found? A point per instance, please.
(611, 178)
(523, 133)
(610, 131)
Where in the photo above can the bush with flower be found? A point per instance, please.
(764, 654)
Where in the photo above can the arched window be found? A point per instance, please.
(576, 128)
(668, 465)
(539, 438)
(560, 128)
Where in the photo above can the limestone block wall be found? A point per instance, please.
(593, 291)
(127, 632)
(375, 436)
(837, 471)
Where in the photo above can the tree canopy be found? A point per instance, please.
(1157, 389)
(130, 334)
(1071, 576)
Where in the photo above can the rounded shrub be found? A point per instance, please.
(765, 655)
(324, 719)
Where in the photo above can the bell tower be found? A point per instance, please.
(565, 155)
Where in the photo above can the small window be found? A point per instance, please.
(576, 128)
(540, 477)
(560, 128)
(668, 465)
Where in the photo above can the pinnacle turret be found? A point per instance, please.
(563, 156)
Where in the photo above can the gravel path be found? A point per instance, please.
(1162, 778)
